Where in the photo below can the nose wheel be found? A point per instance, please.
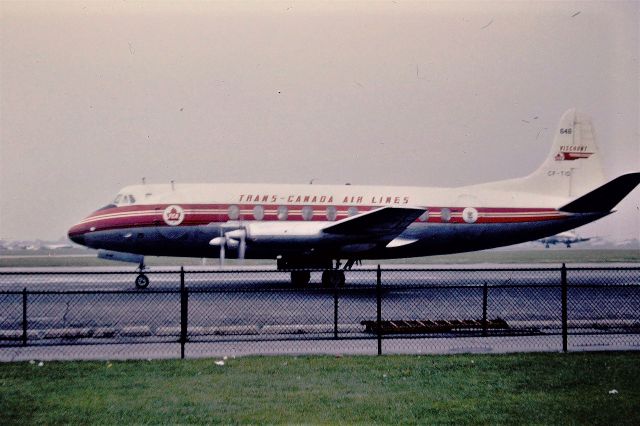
(142, 281)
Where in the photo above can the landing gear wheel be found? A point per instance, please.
(142, 281)
(333, 278)
(300, 278)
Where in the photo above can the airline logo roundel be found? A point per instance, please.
(173, 215)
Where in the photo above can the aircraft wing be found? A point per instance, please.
(382, 225)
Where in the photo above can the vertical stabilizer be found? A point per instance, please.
(573, 165)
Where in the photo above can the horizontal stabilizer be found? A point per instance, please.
(604, 198)
(384, 222)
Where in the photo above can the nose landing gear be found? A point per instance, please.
(141, 281)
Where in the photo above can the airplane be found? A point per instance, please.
(316, 227)
(566, 238)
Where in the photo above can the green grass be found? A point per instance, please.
(467, 389)
(556, 255)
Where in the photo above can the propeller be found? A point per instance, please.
(236, 239)
(239, 239)
(221, 242)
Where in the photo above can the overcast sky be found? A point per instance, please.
(96, 95)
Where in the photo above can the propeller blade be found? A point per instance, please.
(217, 241)
(223, 245)
(230, 240)
(243, 248)
(234, 236)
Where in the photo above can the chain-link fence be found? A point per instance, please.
(377, 311)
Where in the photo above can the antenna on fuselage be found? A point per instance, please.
(144, 180)
(173, 187)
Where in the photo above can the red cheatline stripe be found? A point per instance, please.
(492, 213)
(139, 218)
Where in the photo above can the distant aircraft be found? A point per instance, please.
(306, 227)
(56, 246)
(566, 238)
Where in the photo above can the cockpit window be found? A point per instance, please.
(124, 199)
(108, 206)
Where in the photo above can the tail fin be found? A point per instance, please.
(573, 166)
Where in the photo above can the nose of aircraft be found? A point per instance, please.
(76, 235)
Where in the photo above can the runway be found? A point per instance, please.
(249, 308)
(258, 277)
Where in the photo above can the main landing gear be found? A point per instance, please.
(332, 276)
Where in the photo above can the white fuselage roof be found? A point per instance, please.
(276, 194)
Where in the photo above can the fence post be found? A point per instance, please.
(24, 316)
(563, 282)
(379, 308)
(335, 311)
(184, 312)
(485, 297)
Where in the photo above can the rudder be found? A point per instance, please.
(573, 166)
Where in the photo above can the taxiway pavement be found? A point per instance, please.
(94, 312)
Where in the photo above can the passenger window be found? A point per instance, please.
(445, 215)
(234, 212)
(258, 212)
(307, 213)
(332, 213)
(353, 210)
(283, 212)
(424, 216)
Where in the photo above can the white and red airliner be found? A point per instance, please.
(307, 227)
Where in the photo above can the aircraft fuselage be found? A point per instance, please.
(286, 228)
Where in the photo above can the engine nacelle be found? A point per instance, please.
(284, 232)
